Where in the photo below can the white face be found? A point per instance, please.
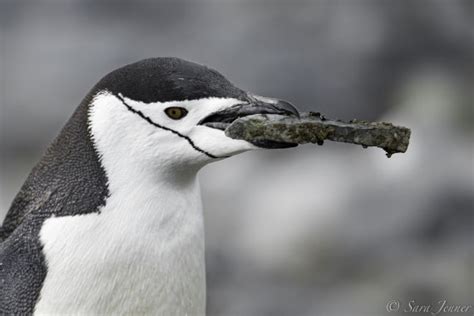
(144, 133)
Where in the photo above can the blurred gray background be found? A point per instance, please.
(332, 230)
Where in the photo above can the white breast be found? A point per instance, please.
(143, 254)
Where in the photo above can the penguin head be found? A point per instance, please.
(168, 111)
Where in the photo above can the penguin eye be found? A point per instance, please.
(175, 112)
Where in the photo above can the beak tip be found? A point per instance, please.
(288, 107)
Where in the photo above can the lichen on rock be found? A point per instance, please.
(314, 128)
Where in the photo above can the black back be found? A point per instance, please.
(69, 179)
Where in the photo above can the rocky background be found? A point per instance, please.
(332, 230)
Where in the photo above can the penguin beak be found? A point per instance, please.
(222, 119)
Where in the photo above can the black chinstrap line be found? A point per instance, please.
(149, 120)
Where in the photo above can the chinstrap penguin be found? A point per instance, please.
(110, 220)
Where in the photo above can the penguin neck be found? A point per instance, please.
(129, 175)
(153, 195)
(149, 230)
